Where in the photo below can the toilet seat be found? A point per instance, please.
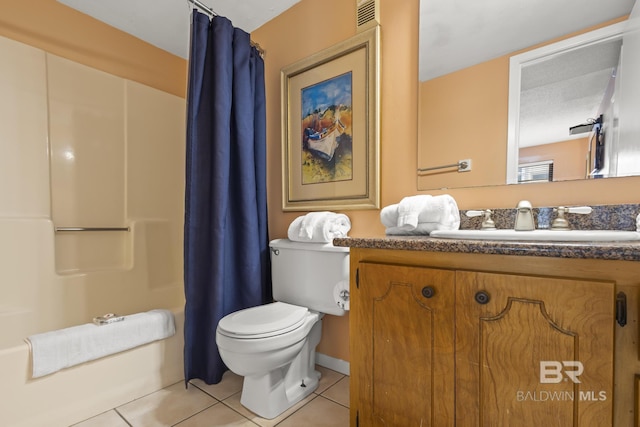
(263, 321)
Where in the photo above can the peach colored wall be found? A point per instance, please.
(399, 76)
(569, 157)
(467, 114)
(463, 116)
(478, 89)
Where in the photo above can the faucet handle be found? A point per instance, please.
(585, 210)
(561, 223)
(487, 222)
(472, 213)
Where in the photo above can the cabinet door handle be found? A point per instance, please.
(482, 297)
(428, 292)
(621, 308)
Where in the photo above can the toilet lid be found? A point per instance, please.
(263, 321)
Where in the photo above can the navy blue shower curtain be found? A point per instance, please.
(226, 248)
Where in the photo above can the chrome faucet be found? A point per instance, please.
(524, 216)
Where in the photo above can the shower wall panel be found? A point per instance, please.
(87, 137)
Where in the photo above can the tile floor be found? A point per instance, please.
(216, 405)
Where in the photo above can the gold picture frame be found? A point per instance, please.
(330, 127)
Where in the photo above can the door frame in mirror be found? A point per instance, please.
(517, 62)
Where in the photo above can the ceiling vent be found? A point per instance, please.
(368, 14)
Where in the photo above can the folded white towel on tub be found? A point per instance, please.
(421, 214)
(319, 227)
(55, 350)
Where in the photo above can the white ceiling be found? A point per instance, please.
(166, 23)
(565, 90)
(455, 34)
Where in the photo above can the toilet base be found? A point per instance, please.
(278, 397)
(271, 394)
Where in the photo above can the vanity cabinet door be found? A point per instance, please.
(533, 351)
(402, 335)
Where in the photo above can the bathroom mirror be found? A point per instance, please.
(618, 133)
(563, 121)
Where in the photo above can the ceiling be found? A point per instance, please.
(166, 23)
(565, 90)
(455, 34)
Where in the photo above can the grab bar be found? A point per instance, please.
(462, 165)
(58, 229)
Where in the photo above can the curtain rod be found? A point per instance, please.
(203, 7)
(206, 9)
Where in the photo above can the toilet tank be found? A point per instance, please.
(305, 274)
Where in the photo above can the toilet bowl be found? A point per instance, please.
(278, 366)
(273, 345)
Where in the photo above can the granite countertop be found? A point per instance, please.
(623, 251)
(603, 217)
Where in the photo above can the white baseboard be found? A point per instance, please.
(332, 363)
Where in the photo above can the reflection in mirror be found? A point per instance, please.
(565, 102)
(464, 90)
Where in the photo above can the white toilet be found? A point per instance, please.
(273, 345)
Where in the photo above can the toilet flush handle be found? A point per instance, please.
(342, 299)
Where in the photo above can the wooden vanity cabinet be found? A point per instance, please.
(404, 363)
(443, 346)
(513, 330)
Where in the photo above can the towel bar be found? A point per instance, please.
(58, 229)
(462, 165)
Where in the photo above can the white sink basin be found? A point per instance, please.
(540, 235)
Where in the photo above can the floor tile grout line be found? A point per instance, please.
(335, 401)
(148, 394)
(315, 394)
(236, 411)
(291, 414)
(249, 419)
(196, 413)
(122, 416)
(329, 388)
(209, 394)
(217, 400)
(164, 388)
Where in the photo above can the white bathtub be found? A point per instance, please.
(75, 394)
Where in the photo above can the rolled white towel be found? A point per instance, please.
(389, 215)
(442, 210)
(410, 208)
(421, 229)
(436, 213)
(319, 227)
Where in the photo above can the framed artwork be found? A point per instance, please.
(330, 128)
